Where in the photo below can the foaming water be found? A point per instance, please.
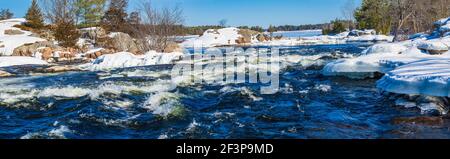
(144, 102)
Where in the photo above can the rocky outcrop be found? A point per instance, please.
(13, 32)
(120, 42)
(173, 47)
(31, 49)
(93, 33)
(96, 54)
(47, 51)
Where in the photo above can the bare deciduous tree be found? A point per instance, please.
(158, 27)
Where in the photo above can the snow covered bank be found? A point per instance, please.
(425, 77)
(7, 61)
(379, 58)
(9, 42)
(126, 59)
(341, 38)
(214, 37)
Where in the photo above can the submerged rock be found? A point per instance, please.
(5, 74)
(57, 69)
(428, 121)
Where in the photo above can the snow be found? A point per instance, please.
(214, 37)
(9, 42)
(369, 38)
(126, 59)
(379, 58)
(386, 47)
(435, 44)
(297, 34)
(6, 61)
(425, 77)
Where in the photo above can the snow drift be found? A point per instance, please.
(425, 77)
(9, 42)
(7, 61)
(126, 59)
(214, 37)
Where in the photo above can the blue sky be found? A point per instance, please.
(237, 12)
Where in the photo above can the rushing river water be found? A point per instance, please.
(139, 103)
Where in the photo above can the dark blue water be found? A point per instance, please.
(135, 103)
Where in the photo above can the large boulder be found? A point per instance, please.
(30, 49)
(433, 47)
(172, 47)
(121, 42)
(98, 53)
(246, 36)
(93, 33)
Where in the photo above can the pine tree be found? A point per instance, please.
(373, 14)
(6, 14)
(66, 33)
(34, 16)
(116, 16)
(89, 12)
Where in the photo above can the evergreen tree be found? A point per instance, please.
(373, 14)
(34, 16)
(134, 18)
(89, 12)
(6, 14)
(116, 16)
(66, 33)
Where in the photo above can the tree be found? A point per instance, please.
(34, 16)
(89, 12)
(403, 10)
(6, 14)
(66, 33)
(337, 26)
(271, 30)
(158, 26)
(348, 11)
(116, 16)
(374, 14)
(134, 18)
(223, 23)
(62, 14)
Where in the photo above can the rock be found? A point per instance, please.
(262, 37)
(246, 36)
(93, 33)
(57, 69)
(433, 47)
(430, 121)
(5, 74)
(47, 53)
(13, 32)
(30, 49)
(172, 47)
(97, 54)
(120, 42)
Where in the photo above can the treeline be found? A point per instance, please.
(401, 17)
(199, 30)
